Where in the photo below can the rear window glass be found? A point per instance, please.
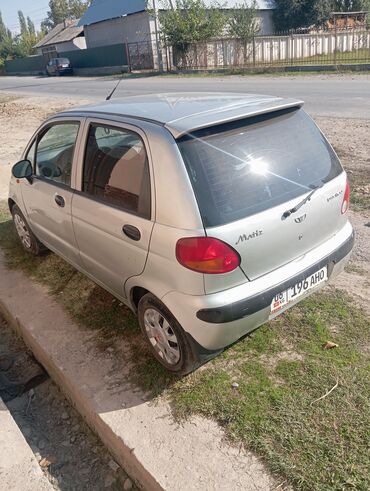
(244, 167)
(64, 61)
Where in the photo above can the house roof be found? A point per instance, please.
(183, 113)
(61, 33)
(101, 10)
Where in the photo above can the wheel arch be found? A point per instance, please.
(136, 294)
(11, 204)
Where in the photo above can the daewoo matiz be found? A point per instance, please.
(206, 214)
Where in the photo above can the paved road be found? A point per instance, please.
(328, 95)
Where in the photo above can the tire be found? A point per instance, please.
(176, 354)
(28, 240)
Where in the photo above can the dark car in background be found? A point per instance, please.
(59, 66)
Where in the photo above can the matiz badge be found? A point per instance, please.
(245, 237)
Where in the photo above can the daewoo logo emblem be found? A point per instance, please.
(301, 219)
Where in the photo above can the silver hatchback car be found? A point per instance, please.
(206, 214)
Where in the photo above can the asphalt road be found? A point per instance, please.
(325, 95)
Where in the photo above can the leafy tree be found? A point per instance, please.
(31, 27)
(293, 14)
(349, 5)
(22, 22)
(20, 45)
(243, 22)
(61, 10)
(78, 7)
(4, 32)
(191, 21)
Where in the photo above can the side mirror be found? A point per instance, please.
(22, 170)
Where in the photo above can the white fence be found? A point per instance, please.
(349, 46)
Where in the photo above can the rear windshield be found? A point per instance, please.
(244, 167)
(63, 61)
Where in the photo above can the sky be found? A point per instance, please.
(36, 9)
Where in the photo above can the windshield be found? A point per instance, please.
(63, 61)
(244, 167)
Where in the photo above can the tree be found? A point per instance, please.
(349, 5)
(294, 14)
(31, 27)
(78, 7)
(61, 10)
(22, 22)
(191, 21)
(4, 32)
(243, 22)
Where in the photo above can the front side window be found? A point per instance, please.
(55, 150)
(116, 169)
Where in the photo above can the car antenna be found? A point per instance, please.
(115, 88)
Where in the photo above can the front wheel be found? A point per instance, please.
(166, 338)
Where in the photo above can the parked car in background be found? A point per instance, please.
(59, 66)
(206, 214)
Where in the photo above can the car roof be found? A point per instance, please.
(183, 113)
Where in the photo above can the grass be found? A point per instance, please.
(281, 369)
(360, 201)
(354, 268)
(342, 57)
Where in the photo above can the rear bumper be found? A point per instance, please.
(217, 320)
(251, 305)
(65, 71)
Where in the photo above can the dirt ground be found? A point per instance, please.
(21, 116)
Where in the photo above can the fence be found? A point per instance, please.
(29, 64)
(330, 47)
(104, 56)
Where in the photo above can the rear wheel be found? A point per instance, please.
(166, 338)
(26, 236)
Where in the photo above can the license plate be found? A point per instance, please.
(284, 298)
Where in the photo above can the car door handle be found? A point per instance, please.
(132, 232)
(59, 200)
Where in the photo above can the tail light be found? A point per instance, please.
(206, 255)
(345, 204)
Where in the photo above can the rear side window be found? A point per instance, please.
(54, 153)
(245, 167)
(116, 169)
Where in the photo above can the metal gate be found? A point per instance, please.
(140, 55)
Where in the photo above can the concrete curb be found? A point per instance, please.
(19, 470)
(142, 436)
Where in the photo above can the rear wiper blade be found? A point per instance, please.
(287, 213)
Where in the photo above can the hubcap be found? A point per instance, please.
(162, 336)
(22, 231)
